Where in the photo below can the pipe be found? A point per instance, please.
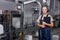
(28, 2)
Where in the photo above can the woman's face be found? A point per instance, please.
(44, 10)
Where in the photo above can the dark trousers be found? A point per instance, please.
(44, 33)
(6, 30)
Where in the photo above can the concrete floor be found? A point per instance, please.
(54, 31)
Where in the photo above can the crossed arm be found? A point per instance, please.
(44, 23)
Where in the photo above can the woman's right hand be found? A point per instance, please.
(42, 26)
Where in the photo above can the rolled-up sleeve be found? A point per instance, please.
(51, 18)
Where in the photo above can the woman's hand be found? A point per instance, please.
(44, 23)
(42, 26)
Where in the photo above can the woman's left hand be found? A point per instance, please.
(44, 23)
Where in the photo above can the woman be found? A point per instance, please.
(44, 27)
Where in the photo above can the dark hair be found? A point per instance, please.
(45, 6)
